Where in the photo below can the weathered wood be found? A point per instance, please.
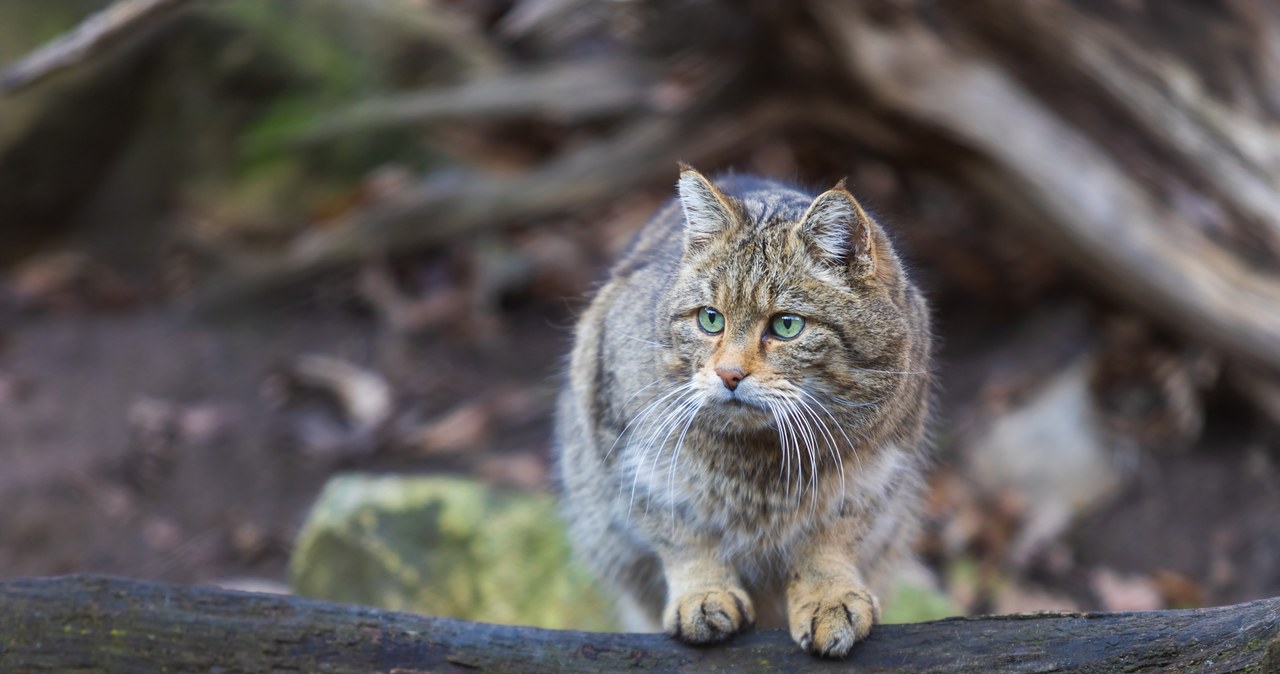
(117, 23)
(94, 624)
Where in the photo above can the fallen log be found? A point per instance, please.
(91, 624)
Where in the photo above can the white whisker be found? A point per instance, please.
(644, 412)
(826, 432)
(670, 421)
(675, 458)
(806, 434)
(649, 342)
(794, 446)
(687, 411)
(902, 372)
(782, 442)
(668, 410)
(853, 447)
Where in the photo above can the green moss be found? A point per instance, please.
(319, 39)
(913, 604)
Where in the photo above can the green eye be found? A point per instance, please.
(710, 320)
(786, 326)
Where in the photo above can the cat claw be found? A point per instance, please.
(831, 626)
(709, 616)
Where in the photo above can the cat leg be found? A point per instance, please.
(706, 602)
(829, 607)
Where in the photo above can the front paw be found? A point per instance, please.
(829, 624)
(708, 616)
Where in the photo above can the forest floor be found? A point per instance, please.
(144, 443)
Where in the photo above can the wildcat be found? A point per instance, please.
(741, 436)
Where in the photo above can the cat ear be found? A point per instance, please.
(706, 210)
(839, 232)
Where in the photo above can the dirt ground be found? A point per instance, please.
(145, 443)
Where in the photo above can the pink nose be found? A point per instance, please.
(730, 376)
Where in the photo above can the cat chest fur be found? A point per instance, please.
(754, 505)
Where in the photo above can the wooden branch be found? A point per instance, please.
(100, 32)
(564, 92)
(93, 624)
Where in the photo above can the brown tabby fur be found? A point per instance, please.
(791, 499)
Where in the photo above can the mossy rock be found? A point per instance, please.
(915, 603)
(445, 546)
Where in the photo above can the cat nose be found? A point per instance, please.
(730, 376)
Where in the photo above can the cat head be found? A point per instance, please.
(785, 304)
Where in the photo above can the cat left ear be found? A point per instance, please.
(839, 232)
(706, 209)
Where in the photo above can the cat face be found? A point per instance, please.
(787, 316)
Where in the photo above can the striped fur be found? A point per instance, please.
(790, 499)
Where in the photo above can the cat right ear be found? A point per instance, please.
(839, 232)
(707, 212)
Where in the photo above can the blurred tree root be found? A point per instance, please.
(97, 624)
(1136, 142)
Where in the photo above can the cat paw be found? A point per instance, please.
(708, 616)
(829, 626)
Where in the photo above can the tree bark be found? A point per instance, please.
(94, 624)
